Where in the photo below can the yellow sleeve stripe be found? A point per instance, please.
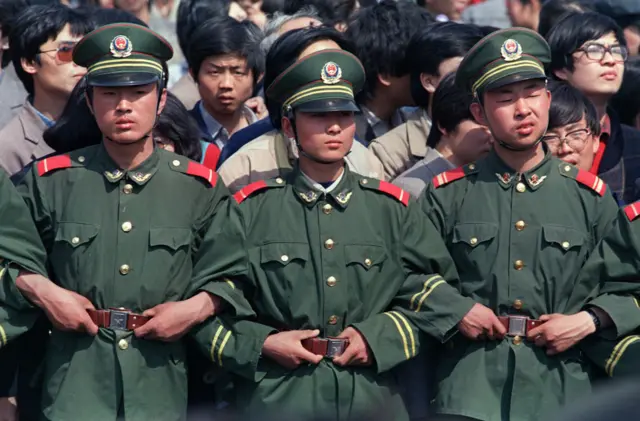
(635, 300)
(407, 326)
(213, 343)
(617, 353)
(2, 273)
(424, 288)
(231, 284)
(404, 337)
(3, 337)
(224, 342)
(424, 297)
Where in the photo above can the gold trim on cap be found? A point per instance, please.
(325, 89)
(125, 63)
(505, 67)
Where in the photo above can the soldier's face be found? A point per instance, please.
(126, 114)
(327, 136)
(225, 83)
(517, 114)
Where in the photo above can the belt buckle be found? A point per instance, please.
(118, 319)
(517, 326)
(335, 347)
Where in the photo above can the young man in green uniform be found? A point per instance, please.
(339, 279)
(137, 239)
(520, 224)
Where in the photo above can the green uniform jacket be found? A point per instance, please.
(131, 239)
(361, 255)
(520, 243)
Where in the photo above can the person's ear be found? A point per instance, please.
(428, 82)
(163, 101)
(287, 127)
(478, 113)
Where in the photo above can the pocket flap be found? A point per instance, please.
(174, 238)
(284, 253)
(76, 233)
(474, 234)
(366, 256)
(565, 237)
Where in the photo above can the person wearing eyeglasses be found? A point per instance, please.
(41, 43)
(589, 51)
(574, 129)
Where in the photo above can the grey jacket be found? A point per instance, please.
(12, 94)
(415, 179)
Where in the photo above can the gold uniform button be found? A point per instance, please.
(327, 209)
(128, 188)
(364, 181)
(567, 168)
(518, 264)
(333, 320)
(75, 240)
(520, 225)
(566, 245)
(126, 226)
(175, 163)
(368, 262)
(279, 180)
(123, 344)
(81, 159)
(472, 167)
(473, 241)
(328, 244)
(284, 258)
(517, 340)
(124, 269)
(332, 281)
(520, 187)
(517, 304)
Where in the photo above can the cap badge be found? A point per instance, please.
(511, 50)
(331, 73)
(121, 47)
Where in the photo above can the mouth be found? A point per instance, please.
(124, 124)
(525, 129)
(226, 100)
(333, 144)
(611, 75)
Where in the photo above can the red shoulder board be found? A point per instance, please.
(591, 181)
(201, 171)
(394, 191)
(53, 163)
(249, 190)
(447, 177)
(632, 211)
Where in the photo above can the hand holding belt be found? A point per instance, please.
(118, 319)
(519, 325)
(328, 348)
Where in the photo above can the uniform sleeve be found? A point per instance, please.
(428, 301)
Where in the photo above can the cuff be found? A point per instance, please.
(10, 295)
(624, 312)
(442, 308)
(226, 290)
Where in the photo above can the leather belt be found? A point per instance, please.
(519, 325)
(118, 319)
(328, 348)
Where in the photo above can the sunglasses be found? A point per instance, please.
(64, 53)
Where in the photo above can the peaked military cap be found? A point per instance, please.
(503, 57)
(122, 54)
(324, 81)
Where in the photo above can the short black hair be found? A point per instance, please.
(225, 35)
(285, 52)
(381, 35)
(103, 16)
(571, 32)
(627, 101)
(177, 125)
(553, 11)
(191, 13)
(325, 9)
(569, 106)
(430, 47)
(269, 7)
(451, 106)
(35, 26)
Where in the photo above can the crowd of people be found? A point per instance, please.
(317, 209)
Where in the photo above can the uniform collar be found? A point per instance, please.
(507, 176)
(309, 192)
(140, 175)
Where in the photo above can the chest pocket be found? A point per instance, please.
(169, 238)
(474, 235)
(74, 253)
(474, 248)
(76, 234)
(284, 271)
(563, 238)
(367, 257)
(280, 255)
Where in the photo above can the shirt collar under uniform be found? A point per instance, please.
(218, 133)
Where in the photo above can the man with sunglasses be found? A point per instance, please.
(41, 42)
(589, 52)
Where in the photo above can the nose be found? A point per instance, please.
(564, 148)
(334, 128)
(607, 58)
(522, 108)
(124, 105)
(226, 81)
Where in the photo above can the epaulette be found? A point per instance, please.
(248, 190)
(447, 177)
(387, 188)
(195, 169)
(584, 177)
(632, 211)
(53, 163)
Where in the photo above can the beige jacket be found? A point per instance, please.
(21, 140)
(187, 91)
(272, 155)
(403, 146)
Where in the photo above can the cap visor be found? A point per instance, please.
(508, 80)
(327, 105)
(122, 79)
